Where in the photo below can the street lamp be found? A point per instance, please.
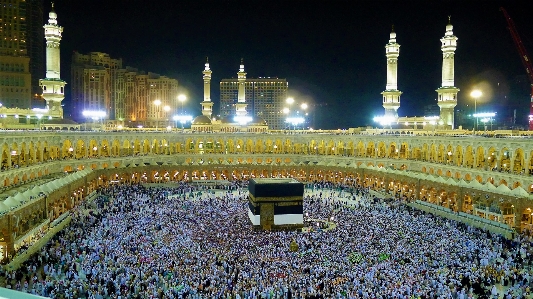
(290, 101)
(157, 103)
(181, 98)
(182, 119)
(166, 108)
(95, 115)
(475, 94)
(304, 113)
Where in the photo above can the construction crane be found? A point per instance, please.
(525, 60)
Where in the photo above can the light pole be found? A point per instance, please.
(157, 103)
(181, 98)
(289, 102)
(287, 111)
(304, 113)
(475, 94)
(166, 108)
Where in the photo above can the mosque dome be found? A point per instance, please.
(201, 120)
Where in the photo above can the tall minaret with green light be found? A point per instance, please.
(447, 93)
(391, 95)
(241, 97)
(207, 105)
(53, 87)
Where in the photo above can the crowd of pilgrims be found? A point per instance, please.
(135, 241)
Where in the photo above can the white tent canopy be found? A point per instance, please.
(11, 202)
(3, 207)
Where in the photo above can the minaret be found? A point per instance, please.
(447, 93)
(391, 95)
(241, 98)
(53, 87)
(207, 105)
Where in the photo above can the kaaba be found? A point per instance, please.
(276, 203)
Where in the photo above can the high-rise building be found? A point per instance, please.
(265, 98)
(162, 99)
(15, 76)
(34, 43)
(100, 83)
(92, 83)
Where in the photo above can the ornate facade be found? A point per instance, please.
(488, 177)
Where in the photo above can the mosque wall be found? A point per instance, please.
(488, 177)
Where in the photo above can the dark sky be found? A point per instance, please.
(331, 52)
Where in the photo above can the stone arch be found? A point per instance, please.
(492, 158)
(247, 146)
(5, 157)
(425, 152)
(441, 154)
(468, 177)
(361, 151)
(127, 148)
(15, 155)
(480, 157)
(105, 149)
(449, 154)
(433, 153)
(404, 151)
(518, 161)
(115, 148)
(23, 155)
(93, 148)
(530, 164)
(67, 149)
(350, 149)
(393, 151)
(469, 157)
(505, 160)
(459, 155)
(80, 149)
(416, 153)
(146, 148)
(259, 147)
(371, 150)
(31, 153)
(382, 151)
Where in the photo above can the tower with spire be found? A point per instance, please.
(53, 87)
(241, 97)
(447, 93)
(207, 105)
(391, 95)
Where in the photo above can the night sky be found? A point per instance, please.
(331, 52)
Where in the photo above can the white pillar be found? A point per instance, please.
(391, 95)
(241, 98)
(53, 87)
(207, 105)
(447, 93)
